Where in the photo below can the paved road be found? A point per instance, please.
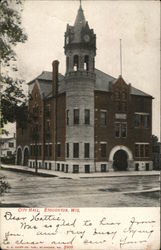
(35, 191)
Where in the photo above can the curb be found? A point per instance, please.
(29, 172)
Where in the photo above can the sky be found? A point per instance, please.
(137, 23)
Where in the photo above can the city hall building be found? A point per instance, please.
(85, 121)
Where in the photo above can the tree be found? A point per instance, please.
(11, 33)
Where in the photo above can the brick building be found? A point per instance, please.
(86, 120)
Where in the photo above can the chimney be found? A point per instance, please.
(55, 66)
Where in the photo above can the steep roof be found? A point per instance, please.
(103, 80)
(102, 83)
(135, 91)
(80, 20)
(47, 76)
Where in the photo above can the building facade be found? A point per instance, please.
(8, 149)
(85, 121)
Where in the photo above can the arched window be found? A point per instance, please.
(86, 63)
(76, 63)
(67, 63)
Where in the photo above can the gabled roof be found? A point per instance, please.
(102, 83)
(46, 76)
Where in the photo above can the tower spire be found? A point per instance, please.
(80, 3)
(120, 57)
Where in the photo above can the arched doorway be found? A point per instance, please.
(26, 157)
(120, 160)
(19, 156)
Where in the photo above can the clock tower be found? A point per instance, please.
(80, 45)
(80, 51)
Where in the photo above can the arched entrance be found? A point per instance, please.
(120, 160)
(26, 157)
(19, 156)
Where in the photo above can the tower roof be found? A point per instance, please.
(80, 20)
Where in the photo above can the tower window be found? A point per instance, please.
(67, 117)
(76, 63)
(86, 150)
(86, 63)
(87, 116)
(75, 150)
(76, 116)
(67, 150)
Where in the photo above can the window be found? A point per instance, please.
(136, 150)
(123, 130)
(50, 150)
(86, 150)
(39, 150)
(118, 106)
(58, 167)
(103, 149)
(103, 118)
(67, 118)
(136, 166)
(141, 150)
(75, 150)
(87, 168)
(58, 146)
(124, 106)
(145, 121)
(120, 130)
(86, 63)
(9, 153)
(137, 121)
(62, 167)
(11, 145)
(75, 169)
(103, 167)
(124, 96)
(121, 100)
(76, 63)
(76, 116)
(67, 150)
(142, 120)
(117, 95)
(117, 130)
(87, 116)
(147, 166)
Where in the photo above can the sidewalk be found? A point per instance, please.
(62, 175)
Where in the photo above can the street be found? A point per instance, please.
(35, 191)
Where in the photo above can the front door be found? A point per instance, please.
(120, 161)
